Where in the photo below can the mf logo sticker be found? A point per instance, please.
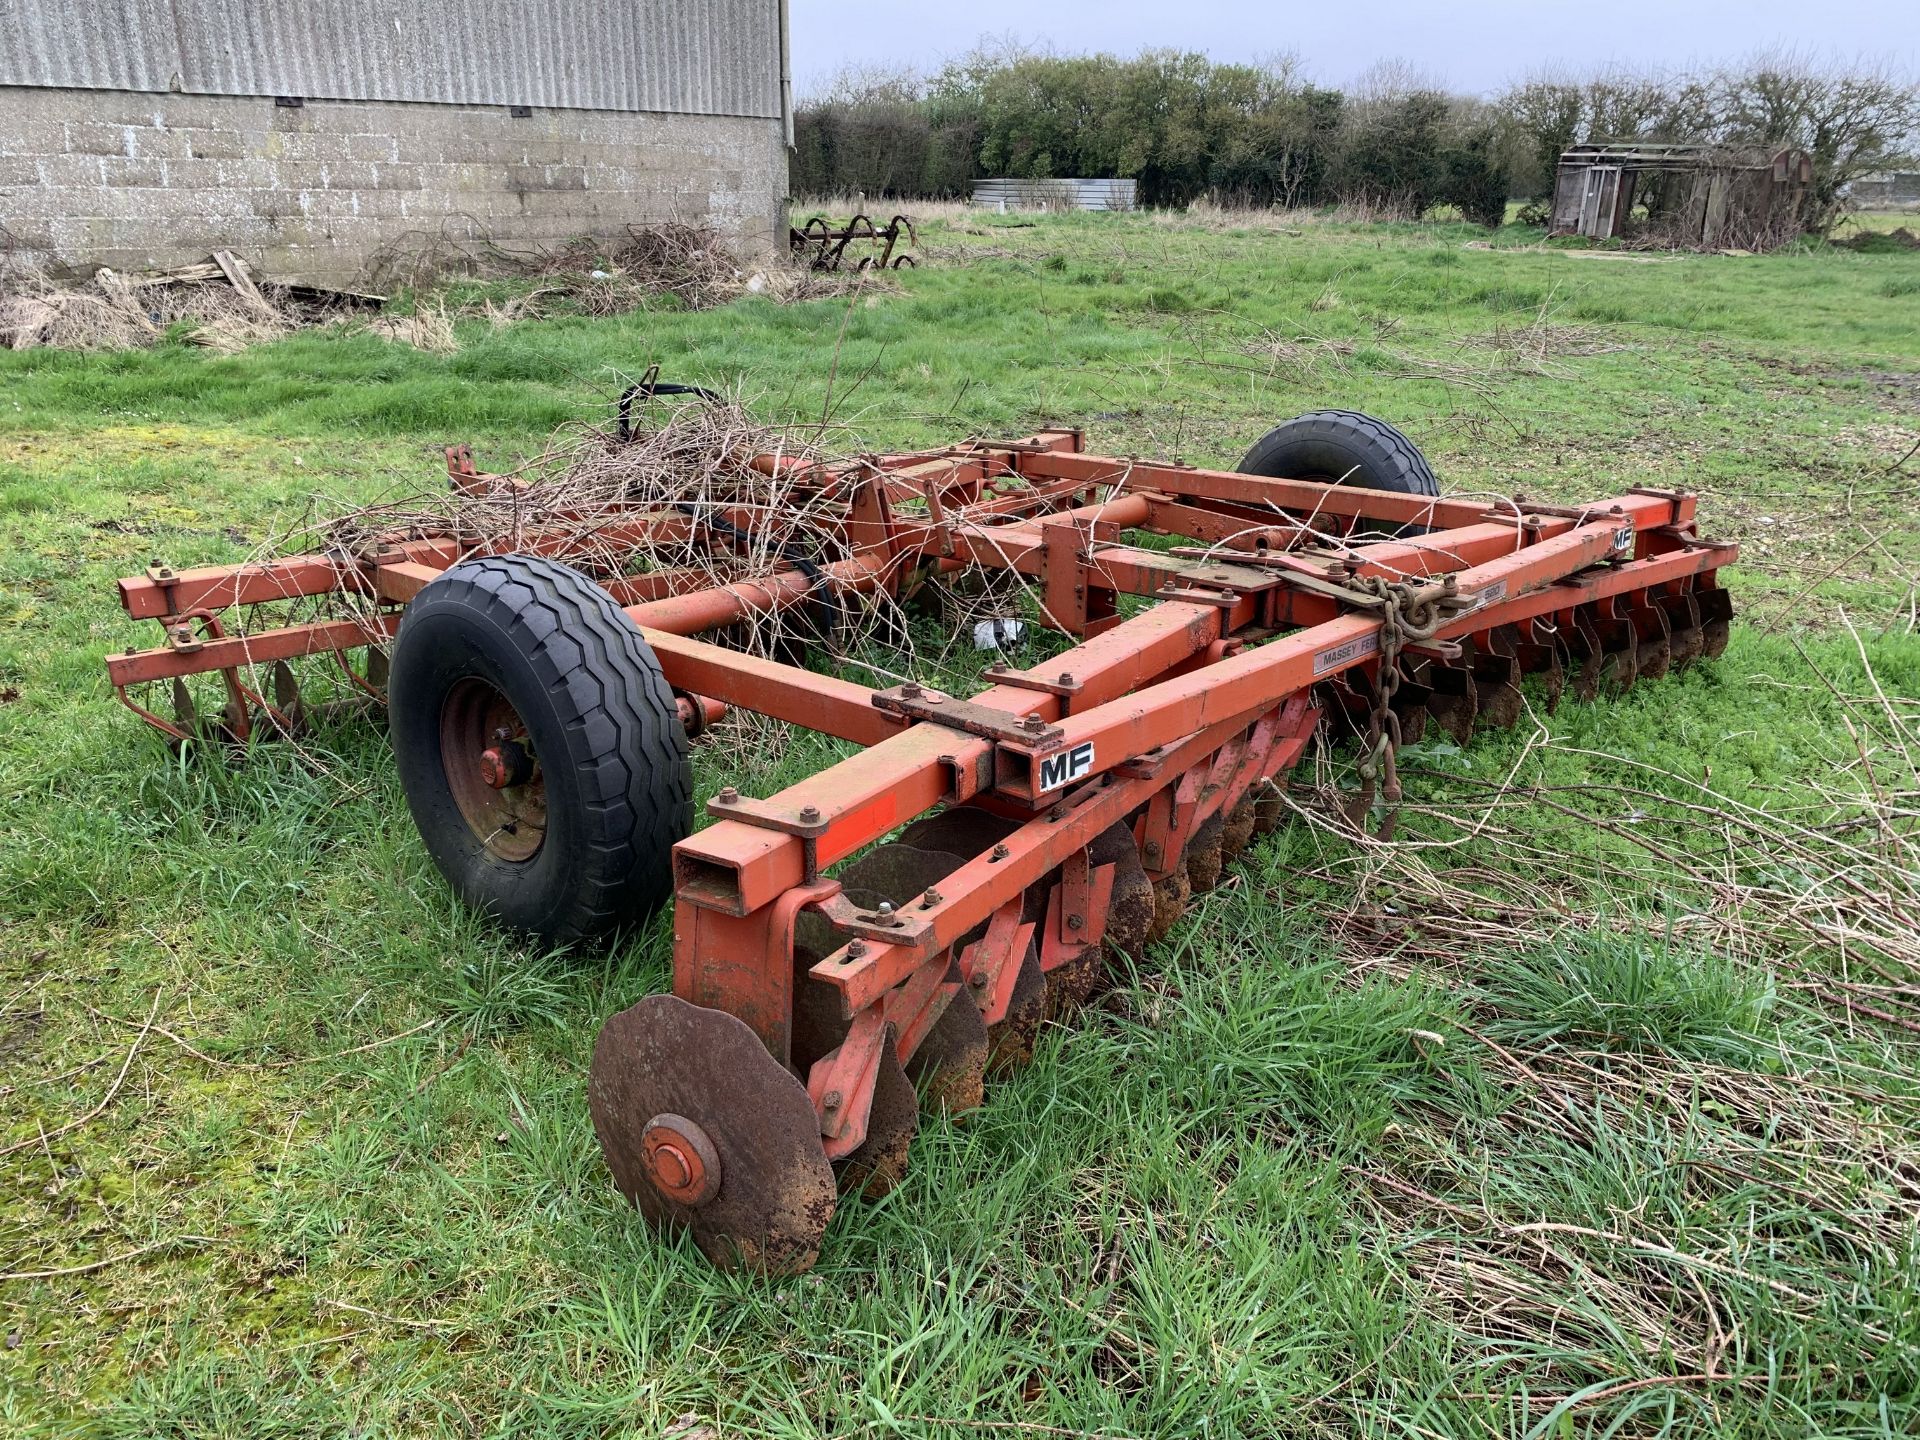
(1065, 767)
(1623, 538)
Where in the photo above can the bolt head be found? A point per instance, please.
(1074, 922)
(1066, 678)
(856, 948)
(1000, 852)
(832, 1101)
(978, 979)
(885, 908)
(728, 795)
(809, 813)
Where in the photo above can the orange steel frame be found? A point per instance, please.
(1159, 719)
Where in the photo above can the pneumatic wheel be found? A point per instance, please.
(539, 747)
(1343, 447)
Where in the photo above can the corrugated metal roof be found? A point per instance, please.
(698, 57)
(1056, 194)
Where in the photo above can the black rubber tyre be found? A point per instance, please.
(1345, 447)
(596, 739)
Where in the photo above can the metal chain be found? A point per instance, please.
(1409, 612)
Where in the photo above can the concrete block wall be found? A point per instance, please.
(311, 194)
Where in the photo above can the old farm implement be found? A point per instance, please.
(824, 245)
(826, 986)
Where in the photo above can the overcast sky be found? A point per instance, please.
(1471, 45)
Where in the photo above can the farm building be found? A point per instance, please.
(1703, 197)
(1015, 194)
(307, 135)
(1888, 189)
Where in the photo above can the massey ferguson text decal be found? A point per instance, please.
(1338, 655)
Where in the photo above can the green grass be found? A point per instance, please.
(1289, 1178)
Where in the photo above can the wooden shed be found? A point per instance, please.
(1699, 197)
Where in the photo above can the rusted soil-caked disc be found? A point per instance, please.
(1453, 701)
(1070, 986)
(922, 857)
(677, 1091)
(928, 851)
(1546, 658)
(1170, 895)
(1130, 906)
(1588, 657)
(1203, 853)
(1496, 676)
(881, 1161)
(1716, 620)
(1409, 704)
(1010, 1043)
(1269, 810)
(951, 1063)
(1620, 648)
(1655, 655)
(1238, 833)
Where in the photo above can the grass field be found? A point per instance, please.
(1588, 1110)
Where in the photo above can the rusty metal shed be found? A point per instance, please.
(1701, 197)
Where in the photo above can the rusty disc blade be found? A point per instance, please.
(1683, 630)
(1130, 908)
(1716, 621)
(1454, 701)
(951, 1064)
(1238, 832)
(1070, 986)
(1496, 680)
(881, 1161)
(1010, 1042)
(1204, 861)
(1270, 811)
(1589, 657)
(1171, 892)
(1655, 653)
(663, 1056)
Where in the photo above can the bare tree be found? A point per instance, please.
(1851, 119)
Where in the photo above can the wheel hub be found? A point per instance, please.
(505, 765)
(680, 1159)
(491, 771)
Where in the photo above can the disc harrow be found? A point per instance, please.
(885, 937)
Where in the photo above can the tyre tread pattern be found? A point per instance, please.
(624, 738)
(1395, 461)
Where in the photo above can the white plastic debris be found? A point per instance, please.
(998, 633)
